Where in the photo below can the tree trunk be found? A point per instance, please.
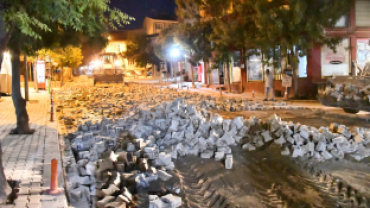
(192, 75)
(206, 67)
(62, 72)
(146, 73)
(4, 38)
(295, 73)
(227, 73)
(26, 79)
(19, 103)
(242, 62)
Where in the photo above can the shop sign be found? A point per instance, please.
(40, 66)
(335, 63)
(286, 81)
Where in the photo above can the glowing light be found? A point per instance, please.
(98, 63)
(6, 55)
(175, 52)
(117, 62)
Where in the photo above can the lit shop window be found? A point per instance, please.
(363, 52)
(302, 66)
(254, 68)
(335, 63)
(343, 21)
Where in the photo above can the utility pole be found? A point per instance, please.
(26, 91)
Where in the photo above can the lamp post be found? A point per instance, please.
(175, 52)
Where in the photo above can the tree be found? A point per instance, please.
(69, 56)
(38, 22)
(141, 49)
(213, 31)
(194, 38)
(29, 26)
(191, 36)
(260, 25)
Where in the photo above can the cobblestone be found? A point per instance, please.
(27, 158)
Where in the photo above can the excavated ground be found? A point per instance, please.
(264, 178)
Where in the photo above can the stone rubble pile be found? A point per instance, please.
(309, 142)
(120, 140)
(348, 91)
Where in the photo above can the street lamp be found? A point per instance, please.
(175, 52)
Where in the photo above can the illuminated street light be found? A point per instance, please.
(175, 52)
(117, 63)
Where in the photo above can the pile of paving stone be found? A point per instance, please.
(120, 140)
(348, 91)
(309, 142)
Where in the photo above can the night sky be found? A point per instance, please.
(139, 9)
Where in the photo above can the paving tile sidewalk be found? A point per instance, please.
(27, 158)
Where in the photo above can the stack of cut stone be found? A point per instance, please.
(348, 91)
(169, 201)
(309, 142)
(101, 176)
(118, 153)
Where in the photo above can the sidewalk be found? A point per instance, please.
(27, 158)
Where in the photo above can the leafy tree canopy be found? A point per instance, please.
(42, 23)
(141, 49)
(263, 24)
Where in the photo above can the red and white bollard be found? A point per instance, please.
(54, 190)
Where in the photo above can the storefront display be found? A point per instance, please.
(254, 68)
(40, 67)
(236, 74)
(363, 52)
(235, 67)
(6, 74)
(302, 66)
(215, 76)
(335, 63)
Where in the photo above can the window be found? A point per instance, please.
(235, 67)
(302, 67)
(162, 66)
(159, 26)
(254, 68)
(343, 21)
(362, 13)
(272, 61)
(363, 52)
(335, 63)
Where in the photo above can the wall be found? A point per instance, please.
(149, 23)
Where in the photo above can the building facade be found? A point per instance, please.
(320, 63)
(152, 28)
